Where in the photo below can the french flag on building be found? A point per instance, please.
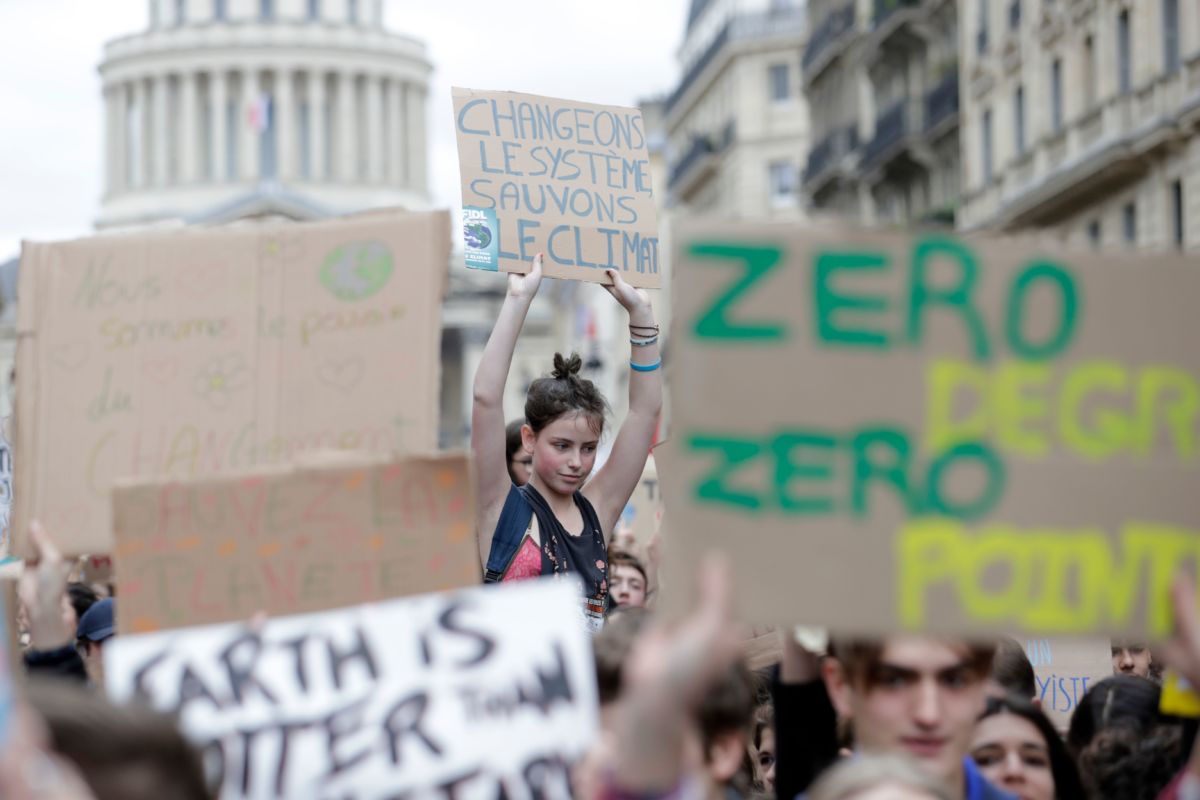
(259, 113)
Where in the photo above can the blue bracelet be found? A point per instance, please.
(645, 367)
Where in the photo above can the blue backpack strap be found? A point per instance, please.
(510, 530)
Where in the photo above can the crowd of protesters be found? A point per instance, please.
(682, 716)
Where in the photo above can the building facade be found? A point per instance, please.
(1080, 118)
(884, 76)
(737, 123)
(227, 109)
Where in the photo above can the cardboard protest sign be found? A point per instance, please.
(195, 353)
(642, 513)
(568, 179)
(1065, 669)
(291, 541)
(482, 693)
(920, 432)
(1179, 697)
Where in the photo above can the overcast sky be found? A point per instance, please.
(51, 129)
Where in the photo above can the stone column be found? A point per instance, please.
(394, 146)
(140, 145)
(160, 131)
(188, 130)
(415, 112)
(110, 140)
(373, 88)
(248, 137)
(120, 131)
(318, 169)
(217, 99)
(284, 116)
(345, 143)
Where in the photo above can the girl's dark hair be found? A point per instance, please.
(512, 438)
(1122, 700)
(562, 393)
(1067, 783)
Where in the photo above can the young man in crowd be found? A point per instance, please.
(914, 696)
(626, 579)
(1131, 658)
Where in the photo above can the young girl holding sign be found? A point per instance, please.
(553, 525)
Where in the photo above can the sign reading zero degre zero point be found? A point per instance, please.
(567, 179)
(927, 432)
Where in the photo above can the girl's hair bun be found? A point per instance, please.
(566, 368)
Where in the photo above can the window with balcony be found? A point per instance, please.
(784, 183)
(352, 11)
(985, 132)
(314, 10)
(1014, 15)
(1177, 214)
(220, 10)
(1056, 98)
(1170, 21)
(1019, 119)
(1129, 223)
(777, 76)
(180, 12)
(1093, 233)
(266, 10)
(981, 32)
(1089, 72)
(1124, 53)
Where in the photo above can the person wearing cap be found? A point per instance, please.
(95, 628)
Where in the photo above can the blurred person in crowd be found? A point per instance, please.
(664, 718)
(764, 747)
(725, 716)
(1122, 763)
(1182, 654)
(1124, 701)
(29, 767)
(914, 696)
(878, 777)
(627, 579)
(555, 524)
(520, 461)
(1018, 750)
(48, 615)
(1131, 658)
(95, 628)
(122, 752)
(80, 597)
(1012, 672)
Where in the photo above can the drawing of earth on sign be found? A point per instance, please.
(477, 235)
(357, 270)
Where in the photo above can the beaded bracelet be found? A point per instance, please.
(643, 342)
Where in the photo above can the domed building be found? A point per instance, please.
(228, 109)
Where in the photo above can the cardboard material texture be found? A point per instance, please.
(288, 541)
(919, 432)
(1064, 670)
(568, 179)
(640, 519)
(435, 695)
(200, 352)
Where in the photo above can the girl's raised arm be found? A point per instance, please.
(487, 411)
(613, 485)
